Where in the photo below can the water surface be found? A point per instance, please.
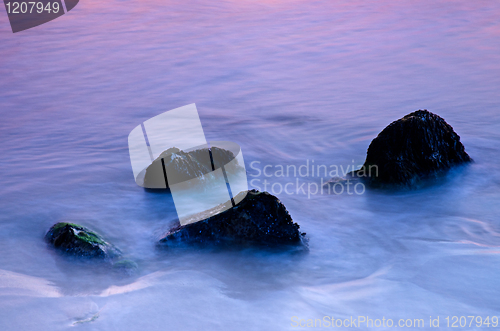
(289, 81)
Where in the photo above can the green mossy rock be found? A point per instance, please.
(77, 240)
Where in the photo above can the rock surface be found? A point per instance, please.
(182, 166)
(419, 145)
(259, 218)
(80, 241)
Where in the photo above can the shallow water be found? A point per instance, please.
(290, 81)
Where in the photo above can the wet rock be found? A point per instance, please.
(259, 218)
(79, 241)
(125, 266)
(417, 146)
(182, 166)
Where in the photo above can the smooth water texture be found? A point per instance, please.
(290, 82)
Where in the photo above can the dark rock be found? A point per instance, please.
(259, 218)
(80, 241)
(182, 166)
(417, 146)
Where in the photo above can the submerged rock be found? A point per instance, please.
(80, 241)
(182, 166)
(126, 266)
(259, 218)
(419, 145)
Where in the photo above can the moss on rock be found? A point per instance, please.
(77, 240)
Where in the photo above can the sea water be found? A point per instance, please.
(291, 82)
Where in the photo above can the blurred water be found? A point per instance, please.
(289, 81)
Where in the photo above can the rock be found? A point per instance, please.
(80, 241)
(182, 166)
(127, 266)
(259, 218)
(419, 145)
